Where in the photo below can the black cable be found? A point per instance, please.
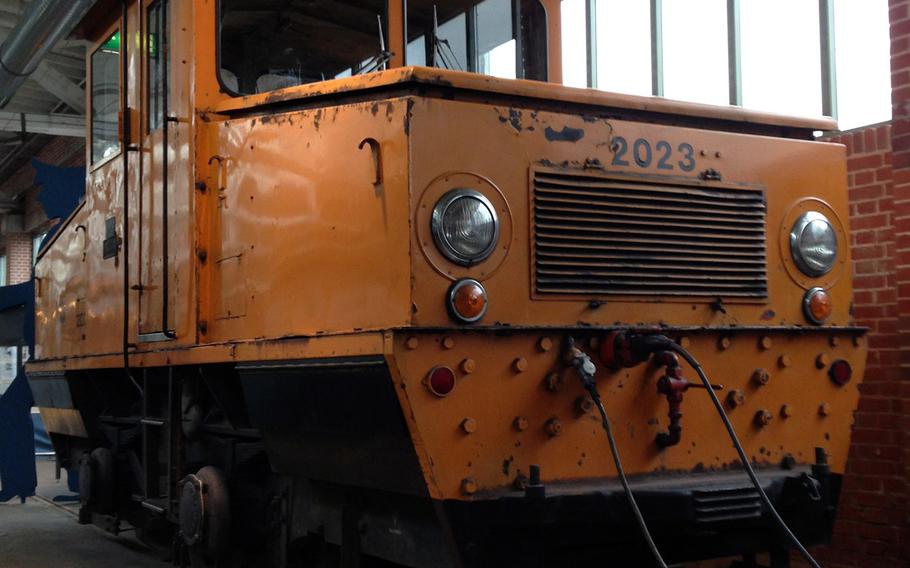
(622, 479)
(742, 454)
(585, 368)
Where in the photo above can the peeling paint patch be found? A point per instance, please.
(515, 119)
(567, 134)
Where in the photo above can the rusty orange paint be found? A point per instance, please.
(290, 238)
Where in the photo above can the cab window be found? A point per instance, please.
(158, 56)
(105, 102)
(271, 44)
(504, 38)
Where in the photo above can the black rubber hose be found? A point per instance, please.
(742, 454)
(643, 527)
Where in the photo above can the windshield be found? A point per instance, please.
(271, 44)
(505, 38)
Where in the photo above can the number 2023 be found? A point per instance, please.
(644, 156)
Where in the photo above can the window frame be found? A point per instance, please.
(230, 92)
(471, 41)
(167, 67)
(90, 65)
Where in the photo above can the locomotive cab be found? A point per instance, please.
(351, 279)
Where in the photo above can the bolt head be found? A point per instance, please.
(520, 365)
(765, 343)
(468, 366)
(412, 343)
(784, 361)
(468, 486)
(584, 404)
(520, 423)
(554, 382)
(545, 344)
(469, 425)
(834, 341)
(822, 361)
(554, 427)
(736, 398)
(724, 343)
(448, 342)
(761, 377)
(763, 418)
(824, 409)
(786, 411)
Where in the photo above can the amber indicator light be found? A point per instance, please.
(817, 305)
(840, 372)
(468, 300)
(441, 381)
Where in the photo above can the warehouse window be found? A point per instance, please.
(105, 69)
(263, 48)
(158, 61)
(800, 57)
(4, 268)
(503, 38)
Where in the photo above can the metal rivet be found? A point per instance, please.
(584, 405)
(857, 340)
(468, 486)
(763, 418)
(521, 482)
(765, 343)
(448, 342)
(786, 411)
(784, 361)
(412, 343)
(824, 409)
(520, 423)
(545, 344)
(554, 382)
(553, 427)
(834, 341)
(469, 425)
(520, 365)
(684, 342)
(761, 377)
(821, 361)
(736, 398)
(724, 343)
(468, 366)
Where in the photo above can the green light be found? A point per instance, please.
(112, 45)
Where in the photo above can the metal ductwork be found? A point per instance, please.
(43, 24)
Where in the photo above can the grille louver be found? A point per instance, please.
(595, 235)
(726, 505)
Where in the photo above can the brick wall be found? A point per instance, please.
(871, 525)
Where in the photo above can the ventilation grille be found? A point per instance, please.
(725, 505)
(595, 236)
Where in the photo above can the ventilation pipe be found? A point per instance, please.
(43, 24)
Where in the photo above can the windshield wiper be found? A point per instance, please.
(442, 49)
(380, 61)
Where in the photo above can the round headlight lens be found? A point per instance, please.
(813, 244)
(465, 227)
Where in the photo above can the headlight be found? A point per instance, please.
(813, 244)
(465, 227)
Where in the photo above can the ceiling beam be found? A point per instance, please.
(50, 124)
(59, 85)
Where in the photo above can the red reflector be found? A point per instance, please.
(441, 381)
(840, 372)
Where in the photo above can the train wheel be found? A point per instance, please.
(205, 513)
(96, 481)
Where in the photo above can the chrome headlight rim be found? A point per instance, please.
(438, 231)
(796, 233)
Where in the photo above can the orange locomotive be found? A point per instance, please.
(336, 290)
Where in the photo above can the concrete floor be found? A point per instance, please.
(41, 533)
